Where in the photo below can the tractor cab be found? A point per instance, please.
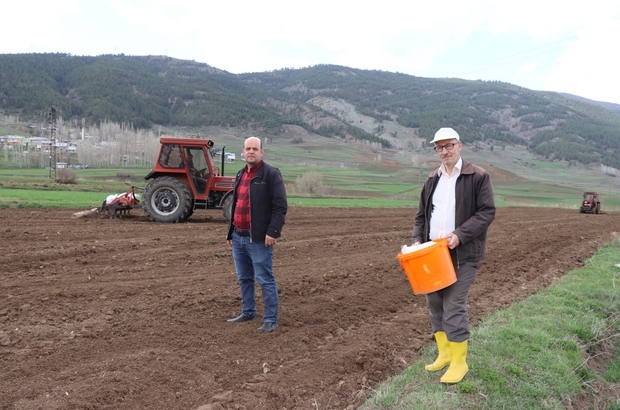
(185, 178)
(589, 196)
(197, 167)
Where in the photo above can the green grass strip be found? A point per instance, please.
(533, 355)
(22, 198)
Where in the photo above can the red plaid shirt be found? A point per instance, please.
(242, 208)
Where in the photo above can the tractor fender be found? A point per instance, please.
(151, 175)
(180, 177)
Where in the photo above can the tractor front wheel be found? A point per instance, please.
(167, 199)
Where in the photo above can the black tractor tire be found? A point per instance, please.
(227, 203)
(167, 199)
(598, 208)
(191, 210)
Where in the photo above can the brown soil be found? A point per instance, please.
(108, 314)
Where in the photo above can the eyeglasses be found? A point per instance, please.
(449, 146)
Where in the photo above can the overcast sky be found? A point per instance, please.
(555, 45)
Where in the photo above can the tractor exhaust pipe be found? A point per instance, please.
(223, 154)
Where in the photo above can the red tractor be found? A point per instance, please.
(590, 203)
(186, 178)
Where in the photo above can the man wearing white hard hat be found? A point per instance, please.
(456, 203)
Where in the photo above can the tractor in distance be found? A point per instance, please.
(591, 203)
(186, 178)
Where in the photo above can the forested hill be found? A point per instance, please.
(499, 113)
(145, 91)
(142, 91)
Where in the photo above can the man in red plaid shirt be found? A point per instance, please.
(259, 210)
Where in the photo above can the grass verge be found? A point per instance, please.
(558, 349)
(20, 198)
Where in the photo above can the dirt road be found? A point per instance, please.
(110, 314)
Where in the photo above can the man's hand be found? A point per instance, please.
(453, 241)
(269, 241)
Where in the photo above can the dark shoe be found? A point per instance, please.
(239, 319)
(268, 327)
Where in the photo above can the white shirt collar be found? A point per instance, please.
(457, 167)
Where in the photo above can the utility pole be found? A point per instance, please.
(51, 120)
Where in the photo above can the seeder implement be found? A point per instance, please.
(115, 206)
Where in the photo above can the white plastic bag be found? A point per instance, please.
(408, 249)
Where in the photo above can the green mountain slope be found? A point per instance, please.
(399, 108)
(142, 91)
(499, 113)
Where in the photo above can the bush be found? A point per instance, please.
(124, 177)
(64, 176)
(310, 183)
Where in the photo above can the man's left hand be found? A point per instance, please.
(269, 241)
(453, 241)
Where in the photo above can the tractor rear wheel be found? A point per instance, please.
(191, 209)
(167, 199)
(227, 203)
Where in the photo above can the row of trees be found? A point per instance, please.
(106, 145)
(117, 145)
(344, 132)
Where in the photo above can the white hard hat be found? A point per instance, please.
(446, 134)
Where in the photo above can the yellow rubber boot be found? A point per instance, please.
(444, 356)
(458, 366)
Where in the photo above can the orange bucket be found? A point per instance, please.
(428, 268)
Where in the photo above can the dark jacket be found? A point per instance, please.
(268, 204)
(475, 210)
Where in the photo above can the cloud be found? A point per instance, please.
(590, 65)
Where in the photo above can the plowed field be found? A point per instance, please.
(130, 314)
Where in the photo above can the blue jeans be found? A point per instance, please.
(253, 262)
